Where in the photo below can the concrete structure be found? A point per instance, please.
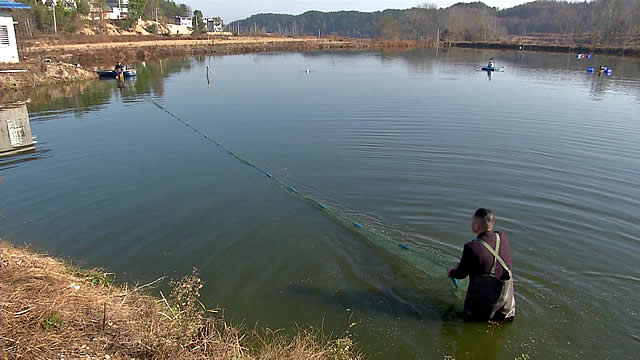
(214, 24)
(184, 21)
(8, 44)
(15, 130)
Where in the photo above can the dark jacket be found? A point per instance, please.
(489, 296)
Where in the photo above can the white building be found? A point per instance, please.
(8, 45)
(119, 9)
(184, 21)
(214, 24)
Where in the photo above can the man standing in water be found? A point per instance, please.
(487, 262)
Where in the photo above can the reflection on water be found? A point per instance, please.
(94, 95)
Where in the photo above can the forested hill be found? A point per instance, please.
(606, 20)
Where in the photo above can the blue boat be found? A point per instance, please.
(114, 74)
(490, 68)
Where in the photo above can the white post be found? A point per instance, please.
(55, 25)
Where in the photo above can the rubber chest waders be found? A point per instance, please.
(490, 298)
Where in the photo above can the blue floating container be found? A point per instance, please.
(588, 56)
(357, 225)
(403, 246)
(590, 69)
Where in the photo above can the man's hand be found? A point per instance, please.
(450, 272)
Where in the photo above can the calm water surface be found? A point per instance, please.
(406, 143)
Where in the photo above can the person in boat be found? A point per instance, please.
(487, 261)
(118, 68)
(491, 63)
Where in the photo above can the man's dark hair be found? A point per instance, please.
(486, 217)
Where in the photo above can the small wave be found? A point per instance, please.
(615, 276)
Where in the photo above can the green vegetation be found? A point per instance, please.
(197, 23)
(167, 9)
(68, 20)
(599, 22)
(52, 322)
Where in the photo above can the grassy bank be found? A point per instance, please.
(53, 310)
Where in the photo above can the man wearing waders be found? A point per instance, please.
(487, 262)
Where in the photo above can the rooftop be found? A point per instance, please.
(7, 4)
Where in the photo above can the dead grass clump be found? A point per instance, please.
(53, 310)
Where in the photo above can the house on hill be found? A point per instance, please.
(184, 20)
(117, 9)
(8, 44)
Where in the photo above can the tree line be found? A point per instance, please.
(597, 21)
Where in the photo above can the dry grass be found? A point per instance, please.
(51, 310)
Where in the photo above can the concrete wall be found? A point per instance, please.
(8, 53)
(15, 129)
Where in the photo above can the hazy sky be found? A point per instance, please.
(239, 9)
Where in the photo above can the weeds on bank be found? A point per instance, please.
(95, 277)
(52, 322)
(51, 309)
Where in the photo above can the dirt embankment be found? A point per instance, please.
(40, 73)
(51, 310)
(128, 50)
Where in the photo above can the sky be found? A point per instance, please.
(231, 10)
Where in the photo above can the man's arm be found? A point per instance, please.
(465, 265)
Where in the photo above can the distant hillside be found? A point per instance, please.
(603, 20)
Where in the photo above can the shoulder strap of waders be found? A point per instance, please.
(496, 256)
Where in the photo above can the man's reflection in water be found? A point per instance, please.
(121, 86)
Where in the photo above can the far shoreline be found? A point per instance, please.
(87, 52)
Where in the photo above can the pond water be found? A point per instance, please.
(407, 144)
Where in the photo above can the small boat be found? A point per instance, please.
(603, 70)
(113, 74)
(491, 68)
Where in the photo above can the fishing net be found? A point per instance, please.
(424, 258)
